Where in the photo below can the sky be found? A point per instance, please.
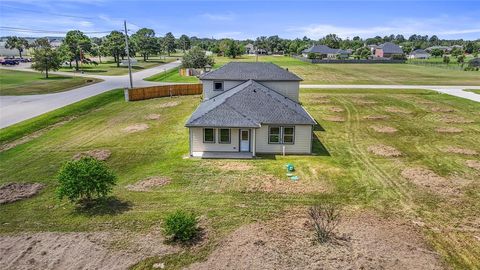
(243, 19)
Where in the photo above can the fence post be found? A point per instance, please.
(125, 92)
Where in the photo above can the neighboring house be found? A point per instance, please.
(8, 52)
(387, 50)
(249, 48)
(445, 49)
(475, 62)
(419, 54)
(323, 51)
(250, 108)
(55, 43)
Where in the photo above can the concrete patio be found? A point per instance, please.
(223, 155)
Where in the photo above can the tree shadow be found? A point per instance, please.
(266, 156)
(103, 206)
(318, 148)
(200, 236)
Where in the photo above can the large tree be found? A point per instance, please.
(196, 58)
(184, 42)
(96, 50)
(114, 44)
(78, 44)
(144, 42)
(18, 43)
(331, 40)
(169, 43)
(233, 48)
(45, 58)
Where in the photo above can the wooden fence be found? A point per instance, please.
(141, 93)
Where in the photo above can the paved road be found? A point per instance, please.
(450, 90)
(14, 109)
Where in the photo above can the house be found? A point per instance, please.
(250, 108)
(419, 54)
(388, 50)
(322, 51)
(249, 48)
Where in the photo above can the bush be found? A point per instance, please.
(326, 218)
(311, 56)
(85, 179)
(181, 226)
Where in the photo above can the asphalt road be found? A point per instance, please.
(14, 109)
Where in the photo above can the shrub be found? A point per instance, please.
(85, 179)
(326, 218)
(311, 56)
(180, 226)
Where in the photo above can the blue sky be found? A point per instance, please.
(245, 19)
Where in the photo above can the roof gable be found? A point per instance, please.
(260, 71)
(389, 47)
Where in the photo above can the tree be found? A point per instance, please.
(83, 180)
(78, 44)
(96, 50)
(456, 51)
(144, 42)
(233, 49)
(331, 40)
(437, 53)
(18, 43)
(44, 57)
(184, 42)
(196, 58)
(65, 54)
(115, 45)
(362, 53)
(446, 59)
(461, 59)
(169, 43)
(273, 43)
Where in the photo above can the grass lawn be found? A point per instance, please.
(14, 83)
(476, 91)
(172, 76)
(342, 167)
(109, 67)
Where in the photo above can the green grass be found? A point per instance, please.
(476, 91)
(14, 82)
(109, 67)
(348, 172)
(172, 75)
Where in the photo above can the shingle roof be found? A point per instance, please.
(260, 71)
(249, 104)
(419, 51)
(389, 47)
(322, 49)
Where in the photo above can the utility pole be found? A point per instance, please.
(128, 54)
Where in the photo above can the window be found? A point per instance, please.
(209, 135)
(224, 135)
(288, 135)
(274, 135)
(285, 135)
(218, 86)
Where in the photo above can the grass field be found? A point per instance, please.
(109, 67)
(362, 73)
(172, 75)
(30, 83)
(342, 170)
(476, 91)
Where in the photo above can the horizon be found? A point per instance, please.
(240, 19)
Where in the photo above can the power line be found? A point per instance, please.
(49, 13)
(28, 30)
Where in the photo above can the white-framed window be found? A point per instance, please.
(224, 135)
(281, 134)
(217, 86)
(209, 135)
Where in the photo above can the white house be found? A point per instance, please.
(419, 54)
(250, 108)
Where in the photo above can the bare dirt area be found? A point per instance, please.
(371, 242)
(336, 109)
(474, 164)
(50, 250)
(461, 151)
(13, 192)
(149, 183)
(449, 130)
(270, 183)
(397, 110)
(100, 154)
(376, 117)
(442, 109)
(335, 118)
(431, 181)
(168, 104)
(384, 129)
(232, 165)
(135, 128)
(384, 150)
(152, 116)
(455, 119)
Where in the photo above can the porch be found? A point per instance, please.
(223, 155)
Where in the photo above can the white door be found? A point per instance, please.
(244, 140)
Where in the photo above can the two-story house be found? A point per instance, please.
(250, 108)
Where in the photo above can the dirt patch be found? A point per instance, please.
(272, 184)
(167, 104)
(152, 116)
(79, 250)
(474, 164)
(455, 119)
(336, 109)
(33, 135)
(384, 150)
(136, 128)
(458, 150)
(233, 166)
(384, 129)
(397, 110)
(334, 118)
(449, 130)
(17, 191)
(362, 101)
(100, 154)
(376, 117)
(149, 183)
(442, 109)
(430, 180)
(372, 242)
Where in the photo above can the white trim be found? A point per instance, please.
(253, 141)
